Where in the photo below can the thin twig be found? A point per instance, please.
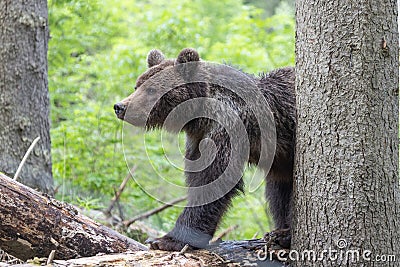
(26, 157)
(121, 214)
(51, 257)
(183, 250)
(154, 211)
(117, 195)
(224, 233)
(219, 257)
(255, 235)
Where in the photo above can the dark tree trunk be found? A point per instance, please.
(347, 185)
(24, 100)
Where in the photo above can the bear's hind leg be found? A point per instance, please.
(279, 196)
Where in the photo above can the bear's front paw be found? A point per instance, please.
(166, 243)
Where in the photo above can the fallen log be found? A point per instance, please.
(33, 224)
(227, 254)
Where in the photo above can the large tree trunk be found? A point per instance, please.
(24, 101)
(346, 187)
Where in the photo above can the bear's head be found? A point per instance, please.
(160, 89)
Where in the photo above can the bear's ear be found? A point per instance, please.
(154, 57)
(187, 55)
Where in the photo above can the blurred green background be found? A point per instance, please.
(96, 52)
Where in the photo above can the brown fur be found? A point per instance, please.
(197, 224)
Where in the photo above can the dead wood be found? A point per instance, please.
(229, 254)
(33, 224)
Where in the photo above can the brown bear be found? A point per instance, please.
(210, 148)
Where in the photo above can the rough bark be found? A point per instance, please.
(347, 185)
(32, 225)
(24, 100)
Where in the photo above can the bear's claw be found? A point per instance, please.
(165, 243)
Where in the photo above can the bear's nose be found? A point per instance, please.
(119, 109)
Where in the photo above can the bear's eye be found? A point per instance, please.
(151, 90)
(135, 87)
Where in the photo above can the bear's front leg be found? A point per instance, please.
(195, 226)
(210, 190)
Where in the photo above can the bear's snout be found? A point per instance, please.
(120, 109)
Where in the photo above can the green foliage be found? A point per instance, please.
(97, 50)
(88, 203)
